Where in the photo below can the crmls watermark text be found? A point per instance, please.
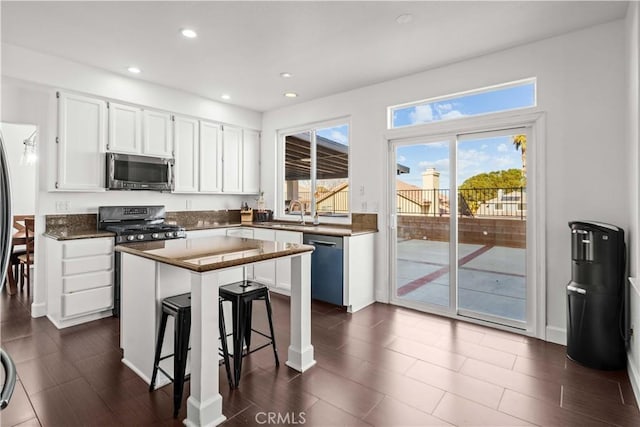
(292, 418)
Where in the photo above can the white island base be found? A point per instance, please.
(146, 282)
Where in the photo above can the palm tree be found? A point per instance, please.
(520, 143)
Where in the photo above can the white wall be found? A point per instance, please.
(29, 82)
(632, 47)
(580, 87)
(23, 176)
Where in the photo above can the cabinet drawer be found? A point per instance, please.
(87, 301)
(87, 265)
(81, 282)
(87, 247)
(246, 233)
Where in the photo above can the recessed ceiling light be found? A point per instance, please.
(405, 18)
(286, 75)
(188, 33)
(225, 96)
(134, 70)
(290, 94)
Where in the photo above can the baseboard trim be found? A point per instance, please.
(634, 378)
(557, 335)
(38, 309)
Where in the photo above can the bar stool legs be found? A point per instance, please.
(241, 295)
(181, 349)
(223, 341)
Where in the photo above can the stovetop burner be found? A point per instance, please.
(137, 223)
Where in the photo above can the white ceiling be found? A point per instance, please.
(242, 47)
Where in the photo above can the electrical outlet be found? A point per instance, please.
(62, 206)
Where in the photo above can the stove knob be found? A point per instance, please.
(169, 234)
(155, 235)
(140, 236)
(131, 237)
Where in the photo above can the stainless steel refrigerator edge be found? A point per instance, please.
(6, 226)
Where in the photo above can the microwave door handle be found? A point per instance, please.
(170, 173)
(112, 168)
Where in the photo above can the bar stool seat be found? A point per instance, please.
(241, 295)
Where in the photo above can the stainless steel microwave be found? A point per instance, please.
(129, 172)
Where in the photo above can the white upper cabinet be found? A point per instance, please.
(125, 129)
(232, 164)
(157, 132)
(133, 130)
(186, 139)
(210, 157)
(82, 136)
(251, 161)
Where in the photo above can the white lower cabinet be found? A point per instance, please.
(80, 276)
(277, 273)
(265, 272)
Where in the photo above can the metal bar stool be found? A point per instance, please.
(179, 306)
(242, 294)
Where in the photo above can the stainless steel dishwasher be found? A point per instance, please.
(327, 267)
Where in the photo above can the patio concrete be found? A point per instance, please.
(492, 280)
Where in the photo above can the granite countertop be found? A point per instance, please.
(77, 233)
(212, 253)
(83, 226)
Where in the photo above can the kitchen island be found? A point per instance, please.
(153, 271)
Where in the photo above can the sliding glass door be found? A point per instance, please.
(460, 205)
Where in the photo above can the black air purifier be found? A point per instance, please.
(596, 295)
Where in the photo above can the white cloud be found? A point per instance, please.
(484, 146)
(439, 165)
(502, 148)
(421, 114)
(401, 159)
(443, 108)
(338, 136)
(453, 114)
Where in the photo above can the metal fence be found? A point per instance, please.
(472, 202)
(326, 202)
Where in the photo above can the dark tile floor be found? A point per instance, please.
(383, 366)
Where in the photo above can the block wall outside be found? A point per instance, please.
(481, 231)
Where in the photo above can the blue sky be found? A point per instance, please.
(474, 157)
(338, 134)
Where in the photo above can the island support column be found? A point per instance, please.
(300, 355)
(204, 405)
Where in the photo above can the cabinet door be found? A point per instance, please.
(251, 162)
(186, 162)
(265, 272)
(157, 134)
(125, 129)
(232, 159)
(82, 137)
(210, 157)
(283, 266)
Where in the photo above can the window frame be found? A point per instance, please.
(453, 96)
(312, 128)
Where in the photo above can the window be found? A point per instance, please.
(316, 171)
(509, 96)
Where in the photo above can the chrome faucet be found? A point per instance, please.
(299, 203)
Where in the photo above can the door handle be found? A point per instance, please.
(321, 242)
(10, 379)
(576, 289)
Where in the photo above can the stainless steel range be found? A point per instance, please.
(138, 223)
(135, 224)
